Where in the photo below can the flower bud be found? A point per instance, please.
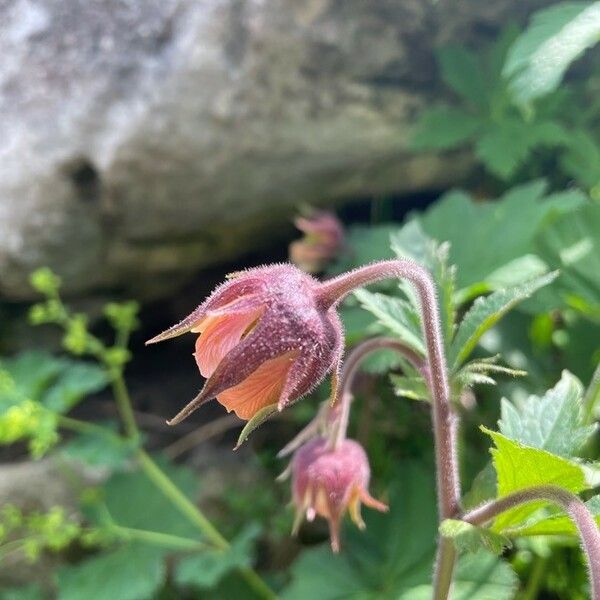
(326, 481)
(264, 340)
(323, 239)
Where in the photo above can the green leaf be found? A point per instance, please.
(501, 231)
(58, 383)
(368, 244)
(553, 422)
(125, 493)
(28, 592)
(461, 71)
(519, 466)
(256, 421)
(443, 127)
(469, 538)
(101, 448)
(480, 576)
(559, 524)
(572, 244)
(413, 388)
(486, 312)
(132, 572)
(582, 160)
(396, 315)
(34, 371)
(205, 570)
(555, 37)
(505, 146)
(77, 381)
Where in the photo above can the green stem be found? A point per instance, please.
(159, 539)
(124, 404)
(180, 500)
(173, 493)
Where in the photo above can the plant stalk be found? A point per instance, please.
(174, 494)
(350, 370)
(444, 421)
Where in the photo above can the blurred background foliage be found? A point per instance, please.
(89, 523)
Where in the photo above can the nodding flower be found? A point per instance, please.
(264, 339)
(323, 239)
(327, 481)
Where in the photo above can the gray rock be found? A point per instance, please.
(143, 139)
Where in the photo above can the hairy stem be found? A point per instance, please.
(575, 508)
(444, 420)
(350, 370)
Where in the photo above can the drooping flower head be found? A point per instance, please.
(323, 239)
(327, 481)
(263, 340)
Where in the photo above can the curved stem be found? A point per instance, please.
(351, 365)
(574, 506)
(174, 494)
(329, 294)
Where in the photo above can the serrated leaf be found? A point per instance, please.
(555, 37)
(396, 315)
(486, 312)
(413, 388)
(553, 421)
(519, 466)
(466, 224)
(206, 569)
(256, 421)
(461, 70)
(132, 572)
(470, 538)
(443, 127)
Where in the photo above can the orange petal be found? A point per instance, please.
(371, 502)
(261, 388)
(354, 509)
(219, 334)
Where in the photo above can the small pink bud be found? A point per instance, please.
(263, 340)
(327, 481)
(323, 240)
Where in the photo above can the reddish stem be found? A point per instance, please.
(330, 293)
(351, 365)
(574, 506)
